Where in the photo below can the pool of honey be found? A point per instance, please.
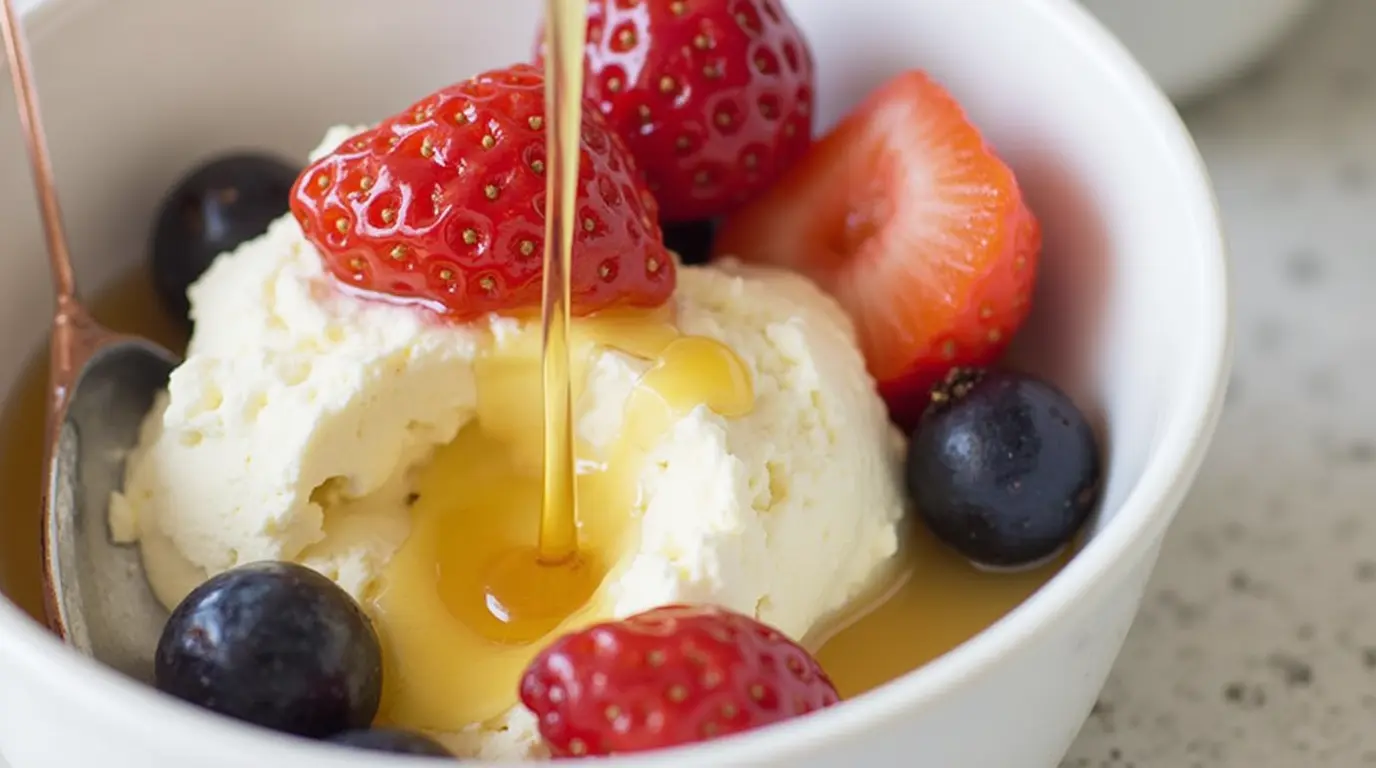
(943, 602)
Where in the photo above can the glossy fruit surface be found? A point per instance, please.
(1004, 468)
(276, 645)
(443, 205)
(213, 210)
(713, 97)
(907, 217)
(669, 676)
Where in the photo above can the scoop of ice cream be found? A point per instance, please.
(296, 426)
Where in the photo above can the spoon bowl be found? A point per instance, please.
(101, 387)
(98, 597)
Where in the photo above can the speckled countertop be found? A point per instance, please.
(1256, 646)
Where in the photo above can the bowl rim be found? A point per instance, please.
(1182, 440)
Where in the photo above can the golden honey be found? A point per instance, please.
(941, 603)
(466, 602)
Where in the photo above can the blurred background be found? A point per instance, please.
(1256, 647)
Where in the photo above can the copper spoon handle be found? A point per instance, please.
(75, 335)
(16, 51)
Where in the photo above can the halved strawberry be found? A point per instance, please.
(915, 225)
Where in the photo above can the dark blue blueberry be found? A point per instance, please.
(692, 240)
(277, 645)
(214, 209)
(390, 740)
(1003, 468)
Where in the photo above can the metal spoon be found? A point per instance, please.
(102, 385)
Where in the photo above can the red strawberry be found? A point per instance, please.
(910, 220)
(669, 676)
(714, 97)
(444, 205)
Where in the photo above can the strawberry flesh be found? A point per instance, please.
(913, 223)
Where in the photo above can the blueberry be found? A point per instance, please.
(277, 645)
(390, 740)
(1003, 468)
(214, 209)
(692, 240)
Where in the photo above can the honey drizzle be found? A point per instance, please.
(564, 106)
(941, 603)
(504, 586)
(530, 590)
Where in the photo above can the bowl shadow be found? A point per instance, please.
(1062, 337)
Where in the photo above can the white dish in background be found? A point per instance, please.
(138, 91)
(1192, 46)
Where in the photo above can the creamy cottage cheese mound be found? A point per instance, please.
(294, 429)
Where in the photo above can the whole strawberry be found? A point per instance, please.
(669, 676)
(713, 97)
(444, 205)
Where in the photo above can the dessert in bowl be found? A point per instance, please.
(1129, 319)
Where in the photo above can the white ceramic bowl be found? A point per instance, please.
(1134, 306)
(1192, 46)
